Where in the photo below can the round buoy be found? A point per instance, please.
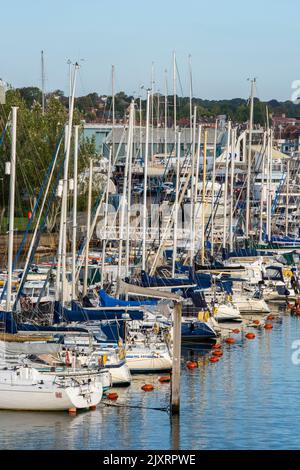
(271, 317)
(192, 365)
(213, 359)
(72, 411)
(256, 322)
(250, 335)
(236, 331)
(112, 396)
(268, 326)
(216, 346)
(297, 310)
(147, 388)
(217, 353)
(230, 340)
(164, 379)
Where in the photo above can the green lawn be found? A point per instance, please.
(20, 224)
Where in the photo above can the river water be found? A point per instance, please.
(248, 400)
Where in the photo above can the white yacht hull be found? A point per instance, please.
(247, 305)
(27, 389)
(227, 313)
(147, 362)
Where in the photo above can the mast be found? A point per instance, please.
(58, 288)
(226, 185)
(123, 200)
(88, 229)
(43, 81)
(213, 188)
(174, 90)
(192, 209)
(248, 205)
(105, 218)
(145, 183)
(129, 193)
(140, 119)
(152, 109)
(63, 229)
(191, 98)
(113, 108)
(12, 182)
(176, 203)
(74, 231)
(270, 183)
(287, 199)
(166, 114)
(262, 192)
(232, 189)
(203, 200)
(197, 180)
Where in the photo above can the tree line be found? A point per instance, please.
(94, 107)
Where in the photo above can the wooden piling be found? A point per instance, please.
(176, 369)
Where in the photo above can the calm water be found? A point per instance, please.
(249, 399)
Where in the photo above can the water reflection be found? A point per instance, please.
(249, 399)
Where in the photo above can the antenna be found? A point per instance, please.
(43, 81)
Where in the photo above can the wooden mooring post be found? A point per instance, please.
(176, 368)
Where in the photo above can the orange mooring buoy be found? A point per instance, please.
(268, 326)
(164, 379)
(250, 335)
(112, 396)
(213, 359)
(192, 364)
(72, 411)
(217, 353)
(230, 340)
(236, 331)
(271, 317)
(216, 346)
(256, 322)
(147, 388)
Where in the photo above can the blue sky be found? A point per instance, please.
(228, 40)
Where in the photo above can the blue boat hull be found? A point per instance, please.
(197, 331)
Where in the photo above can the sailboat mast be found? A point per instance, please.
(62, 255)
(123, 199)
(262, 191)
(248, 205)
(287, 199)
(166, 114)
(145, 182)
(174, 90)
(88, 229)
(203, 199)
(12, 184)
(213, 189)
(175, 229)
(43, 81)
(193, 184)
(232, 189)
(129, 193)
(74, 228)
(113, 108)
(226, 185)
(106, 217)
(191, 98)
